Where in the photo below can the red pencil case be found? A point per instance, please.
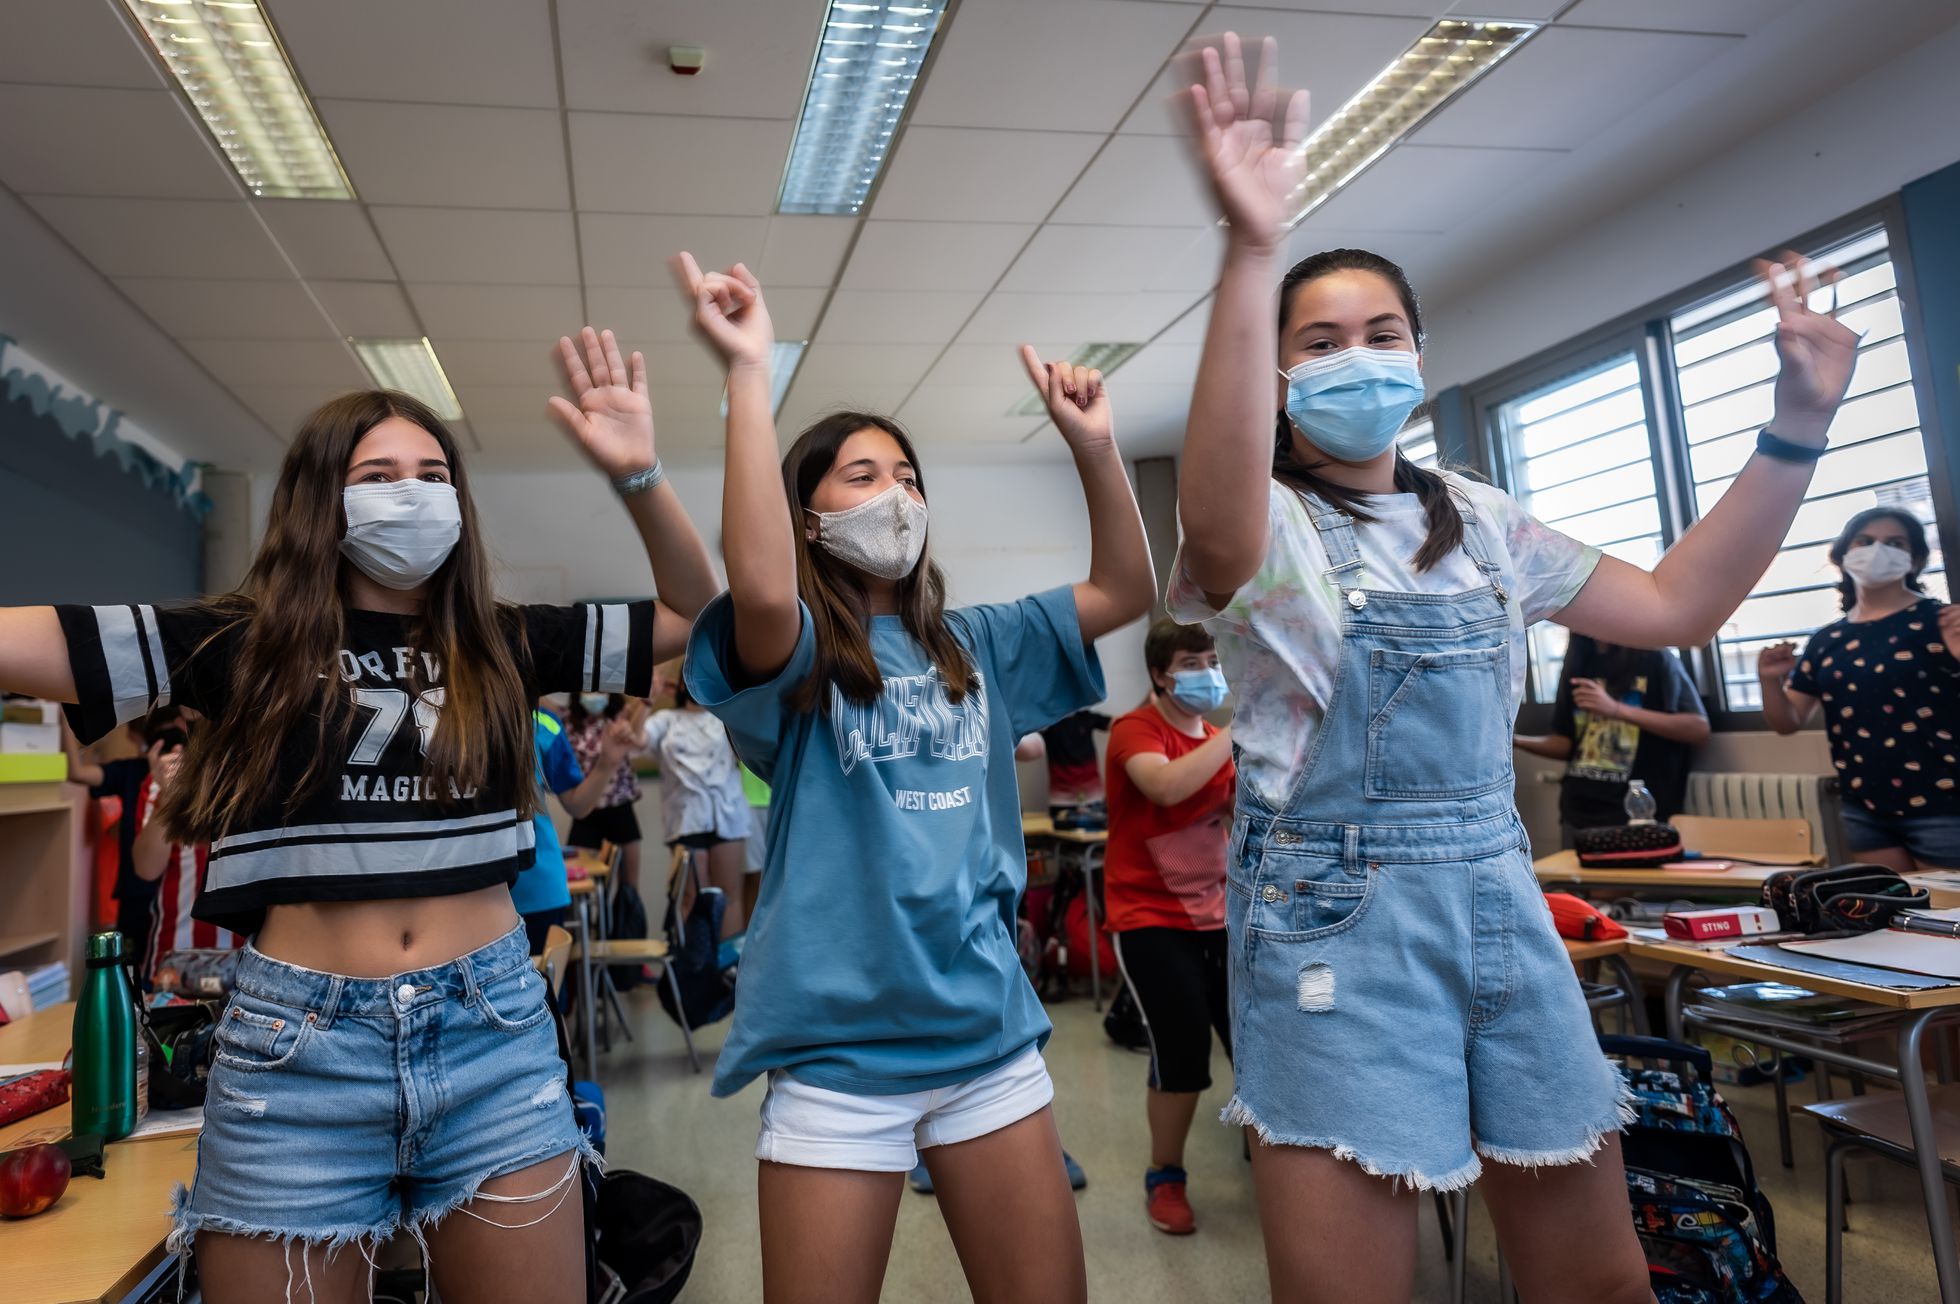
(31, 1093)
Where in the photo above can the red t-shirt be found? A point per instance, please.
(1153, 879)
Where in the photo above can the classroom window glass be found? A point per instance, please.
(1418, 441)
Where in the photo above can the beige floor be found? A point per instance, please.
(662, 1121)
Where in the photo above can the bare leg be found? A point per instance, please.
(247, 1270)
(1893, 858)
(826, 1233)
(1565, 1230)
(486, 1251)
(1006, 1201)
(1170, 1114)
(727, 866)
(1334, 1235)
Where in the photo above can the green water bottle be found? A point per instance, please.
(105, 1044)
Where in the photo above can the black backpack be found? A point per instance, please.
(628, 919)
(1124, 1021)
(707, 990)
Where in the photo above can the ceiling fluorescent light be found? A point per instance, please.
(1097, 357)
(783, 361)
(866, 67)
(412, 367)
(226, 57)
(1429, 74)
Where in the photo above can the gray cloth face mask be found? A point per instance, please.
(400, 533)
(881, 536)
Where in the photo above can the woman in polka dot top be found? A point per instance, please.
(1887, 679)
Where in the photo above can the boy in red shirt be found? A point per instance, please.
(1170, 783)
(177, 868)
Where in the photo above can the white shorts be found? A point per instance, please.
(813, 1127)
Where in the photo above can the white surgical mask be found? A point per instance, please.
(594, 703)
(1876, 563)
(400, 533)
(881, 536)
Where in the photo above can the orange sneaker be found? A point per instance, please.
(1164, 1201)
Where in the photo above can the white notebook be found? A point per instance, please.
(1937, 957)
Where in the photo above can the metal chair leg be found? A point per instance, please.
(1834, 1155)
(1459, 1210)
(1782, 1111)
(680, 1014)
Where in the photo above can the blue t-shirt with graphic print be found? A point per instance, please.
(882, 956)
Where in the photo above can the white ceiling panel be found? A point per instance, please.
(511, 408)
(994, 366)
(217, 309)
(1735, 16)
(1432, 8)
(635, 163)
(72, 45)
(954, 174)
(285, 407)
(105, 142)
(933, 255)
(682, 365)
(944, 416)
(840, 369)
(646, 316)
(164, 237)
(480, 245)
(628, 249)
(1159, 365)
(1413, 183)
(805, 404)
(1190, 328)
(501, 362)
(498, 312)
(369, 309)
(1332, 55)
(1084, 318)
(896, 316)
(446, 154)
(1021, 63)
(1567, 85)
(759, 54)
(325, 362)
(431, 51)
(792, 311)
(1139, 181)
(1529, 9)
(327, 240)
(804, 250)
(1103, 258)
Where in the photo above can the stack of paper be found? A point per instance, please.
(1887, 948)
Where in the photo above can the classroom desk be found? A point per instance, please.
(1920, 1008)
(1084, 848)
(1562, 869)
(1612, 953)
(105, 1236)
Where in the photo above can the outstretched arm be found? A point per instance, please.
(34, 654)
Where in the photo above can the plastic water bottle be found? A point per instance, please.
(105, 1044)
(1640, 805)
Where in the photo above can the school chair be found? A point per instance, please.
(555, 958)
(1775, 841)
(1875, 1124)
(606, 952)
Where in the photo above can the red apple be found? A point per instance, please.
(32, 1178)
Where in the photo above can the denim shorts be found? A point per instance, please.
(1932, 840)
(341, 1109)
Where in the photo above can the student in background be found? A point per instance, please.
(702, 805)
(1075, 776)
(1170, 791)
(177, 869)
(1622, 713)
(613, 820)
(882, 990)
(124, 780)
(542, 893)
(1887, 677)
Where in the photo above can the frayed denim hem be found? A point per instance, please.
(1238, 1114)
(1623, 1114)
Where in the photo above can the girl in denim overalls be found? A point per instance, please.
(1404, 1015)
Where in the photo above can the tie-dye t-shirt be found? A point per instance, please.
(1279, 637)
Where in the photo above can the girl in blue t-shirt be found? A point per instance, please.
(882, 991)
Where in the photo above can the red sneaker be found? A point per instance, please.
(1164, 1201)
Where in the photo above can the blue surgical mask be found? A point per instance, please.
(1199, 690)
(594, 703)
(1353, 403)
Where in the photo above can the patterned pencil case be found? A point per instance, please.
(1627, 846)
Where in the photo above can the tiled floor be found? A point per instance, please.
(662, 1121)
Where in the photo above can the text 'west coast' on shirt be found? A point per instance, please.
(365, 829)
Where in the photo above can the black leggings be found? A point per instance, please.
(1178, 977)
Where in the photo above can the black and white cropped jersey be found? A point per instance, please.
(365, 829)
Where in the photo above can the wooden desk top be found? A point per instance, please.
(1563, 867)
(1580, 952)
(589, 860)
(1041, 826)
(1720, 962)
(1036, 826)
(105, 1234)
(584, 886)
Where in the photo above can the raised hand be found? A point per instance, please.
(1950, 630)
(1775, 662)
(728, 311)
(612, 419)
(1591, 695)
(1077, 401)
(1816, 351)
(1251, 154)
(164, 766)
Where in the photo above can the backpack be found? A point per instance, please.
(628, 919)
(1124, 1021)
(707, 990)
(643, 1235)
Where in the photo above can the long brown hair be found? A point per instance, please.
(835, 595)
(1432, 490)
(289, 618)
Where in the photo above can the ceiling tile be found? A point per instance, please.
(285, 407)
(645, 316)
(1569, 84)
(106, 142)
(480, 245)
(628, 249)
(633, 163)
(804, 404)
(538, 313)
(1139, 181)
(1102, 258)
(165, 237)
(793, 311)
(1434, 8)
(1741, 17)
(215, 309)
(962, 174)
(510, 408)
(997, 367)
(895, 316)
(805, 250)
(444, 154)
(682, 364)
(334, 241)
(939, 416)
(1082, 318)
(1412, 184)
(1021, 63)
(759, 54)
(933, 255)
(73, 45)
(835, 369)
(531, 360)
(434, 51)
(1157, 366)
(326, 362)
(369, 309)
(1538, 10)
(515, 419)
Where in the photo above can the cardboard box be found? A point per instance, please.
(1718, 922)
(34, 739)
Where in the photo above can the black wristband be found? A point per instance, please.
(1784, 451)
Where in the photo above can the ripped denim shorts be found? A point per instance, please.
(343, 1109)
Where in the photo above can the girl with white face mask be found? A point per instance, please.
(363, 774)
(1389, 1038)
(1887, 679)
